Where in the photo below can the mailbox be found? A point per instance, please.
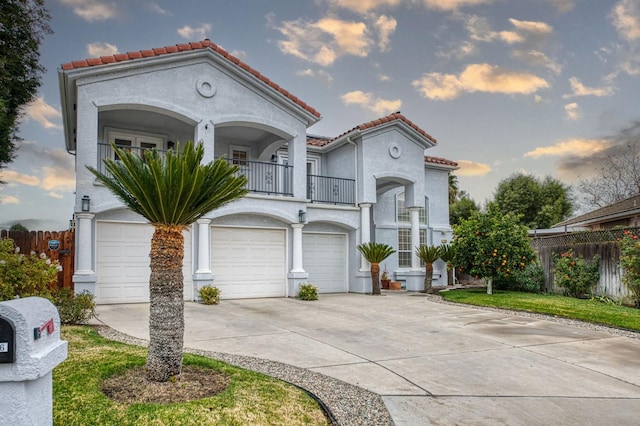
(7, 342)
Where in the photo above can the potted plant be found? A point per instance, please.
(375, 253)
(385, 280)
(428, 254)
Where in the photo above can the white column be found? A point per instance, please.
(204, 262)
(297, 247)
(85, 246)
(365, 232)
(415, 237)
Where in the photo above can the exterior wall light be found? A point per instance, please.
(86, 203)
(302, 216)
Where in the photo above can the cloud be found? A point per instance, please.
(191, 33)
(563, 6)
(453, 5)
(478, 78)
(370, 102)
(625, 17)
(384, 77)
(59, 176)
(363, 6)
(536, 57)
(92, 10)
(156, 8)
(479, 29)
(240, 54)
(579, 89)
(9, 199)
(321, 75)
(571, 147)
(55, 195)
(537, 28)
(13, 177)
(471, 168)
(43, 113)
(386, 26)
(325, 40)
(573, 111)
(101, 49)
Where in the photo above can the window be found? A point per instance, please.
(403, 215)
(134, 142)
(239, 157)
(405, 249)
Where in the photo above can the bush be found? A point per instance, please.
(308, 292)
(575, 274)
(210, 295)
(630, 262)
(74, 308)
(529, 280)
(24, 275)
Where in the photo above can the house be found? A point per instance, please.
(312, 198)
(621, 214)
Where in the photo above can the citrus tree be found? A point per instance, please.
(491, 245)
(375, 253)
(171, 191)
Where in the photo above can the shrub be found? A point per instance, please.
(74, 308)
(308, 292)
(529, 280)
(575, 274)
(210, 295)
(24, 275)
(630, 262)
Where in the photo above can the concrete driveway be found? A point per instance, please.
(432, 363)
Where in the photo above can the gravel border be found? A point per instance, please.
(344, 403)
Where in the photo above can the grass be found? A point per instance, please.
(250, 399)
(567, 307)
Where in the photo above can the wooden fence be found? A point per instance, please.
(587, 244)
(38, 242)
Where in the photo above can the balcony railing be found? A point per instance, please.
(265, 178)
(106, 151)
(330, 190)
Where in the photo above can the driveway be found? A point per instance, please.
(432, 363)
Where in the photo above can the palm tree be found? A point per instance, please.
(428, 254)
(171, 191)
(453, 188)
(375, 253)
(447, 253)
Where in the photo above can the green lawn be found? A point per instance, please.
(250, 399)
(567, 307)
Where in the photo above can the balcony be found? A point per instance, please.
(331, 190)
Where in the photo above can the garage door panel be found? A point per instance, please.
(123, 263)
(248, 262)
(325, 260)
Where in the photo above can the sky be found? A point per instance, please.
(542, 87)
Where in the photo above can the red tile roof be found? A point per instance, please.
(439, 160)
(387, 119)
(205, 44)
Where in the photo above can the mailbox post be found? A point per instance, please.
(30, 348)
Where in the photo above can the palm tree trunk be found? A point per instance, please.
(449, 276)
(375, 278)
(166, 312)
(428, 276)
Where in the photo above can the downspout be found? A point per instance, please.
(355, 160)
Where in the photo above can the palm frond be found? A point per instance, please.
(428, 254)
(375, 252)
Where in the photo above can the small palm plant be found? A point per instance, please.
(375, 253)
(171, 192)
(428, 254)
(447, 253)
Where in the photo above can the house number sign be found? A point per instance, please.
(4, 346)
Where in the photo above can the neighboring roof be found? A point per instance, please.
(168, 50)
(626, 207)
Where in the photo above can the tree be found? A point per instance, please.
(448, 253)
(453, 188)
(428, 254)
(463, 208)
(492, 245)
(171, 192)
(375, 253)
(619, 177)
(23, 25)
(540, 204)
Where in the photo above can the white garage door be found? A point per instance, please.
(324, 257)
(248, 262)
(122, 263)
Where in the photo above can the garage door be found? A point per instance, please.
(325, 260)
(248, 262)
(122, 263)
